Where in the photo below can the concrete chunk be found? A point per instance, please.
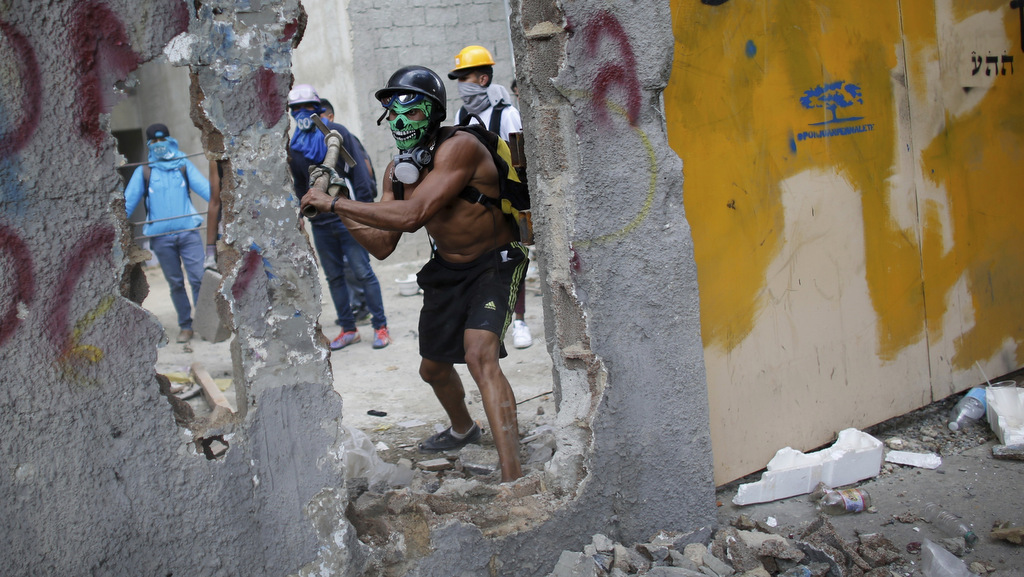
(435, 465)
(207, 320)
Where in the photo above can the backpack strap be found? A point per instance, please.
(495, 124)
(471, 195)
(146, 171)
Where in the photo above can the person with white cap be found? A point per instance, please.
(334, 244)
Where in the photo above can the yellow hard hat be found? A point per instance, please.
(468, 58)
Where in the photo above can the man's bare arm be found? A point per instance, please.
(380, 243)
(454, 167)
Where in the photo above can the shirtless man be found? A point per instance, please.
(472, 279)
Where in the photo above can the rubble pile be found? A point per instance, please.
(745, 549)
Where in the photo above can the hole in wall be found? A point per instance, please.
(384, 381)
(158, 92)
(213, 447)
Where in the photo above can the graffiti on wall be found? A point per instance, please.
(616, 74)
(833, 97)
(103, 54)
(72, 354)
(29, 103)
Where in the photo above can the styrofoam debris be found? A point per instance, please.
(923, 460)
(1005, 411)
(854, 456)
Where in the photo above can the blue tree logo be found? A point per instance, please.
(833, 96)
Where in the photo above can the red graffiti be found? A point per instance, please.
(103, 55)
(25, 284)
(250, 266)
(271, 98)
(290, 29)
(95, 244)
(621, 71)
(31, 94)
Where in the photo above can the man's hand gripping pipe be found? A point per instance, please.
(324, 177)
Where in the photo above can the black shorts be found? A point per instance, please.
(475, 295)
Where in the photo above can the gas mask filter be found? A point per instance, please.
(409, 163)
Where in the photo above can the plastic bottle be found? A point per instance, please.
(937, 562)
(843, 501)
(970, 408)
(949, 523)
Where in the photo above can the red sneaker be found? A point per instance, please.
(345, 339)
(381, 338)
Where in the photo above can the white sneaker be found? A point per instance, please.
(521, 337)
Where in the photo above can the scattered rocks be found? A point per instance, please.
(730, 552)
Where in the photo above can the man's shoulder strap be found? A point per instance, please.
(495, 124)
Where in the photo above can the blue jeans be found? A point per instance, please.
(174, 250)
(335, 245)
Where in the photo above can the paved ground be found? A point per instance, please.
(970, 482)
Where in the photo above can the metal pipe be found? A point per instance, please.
(335, 148)
(168, 218)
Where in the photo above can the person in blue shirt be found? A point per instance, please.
(172, 222)
(334, 243)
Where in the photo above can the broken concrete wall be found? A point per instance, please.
(617, 262)
(97, 478)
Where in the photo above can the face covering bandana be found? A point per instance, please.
(409, 133)
(165, 152)
(304, 119)
(306, 140)
(474, 97)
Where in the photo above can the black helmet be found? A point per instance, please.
(419, 80)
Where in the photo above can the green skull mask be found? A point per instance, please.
(409, 133)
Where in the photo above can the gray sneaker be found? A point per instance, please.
(444, 441)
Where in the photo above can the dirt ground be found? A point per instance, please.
(970, 482)
(381, 380)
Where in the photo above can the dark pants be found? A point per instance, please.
(335, 245)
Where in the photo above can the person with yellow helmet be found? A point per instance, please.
(474, 70)
(492, 105)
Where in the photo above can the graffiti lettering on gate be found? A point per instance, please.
(71, 353)
(991, 63)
